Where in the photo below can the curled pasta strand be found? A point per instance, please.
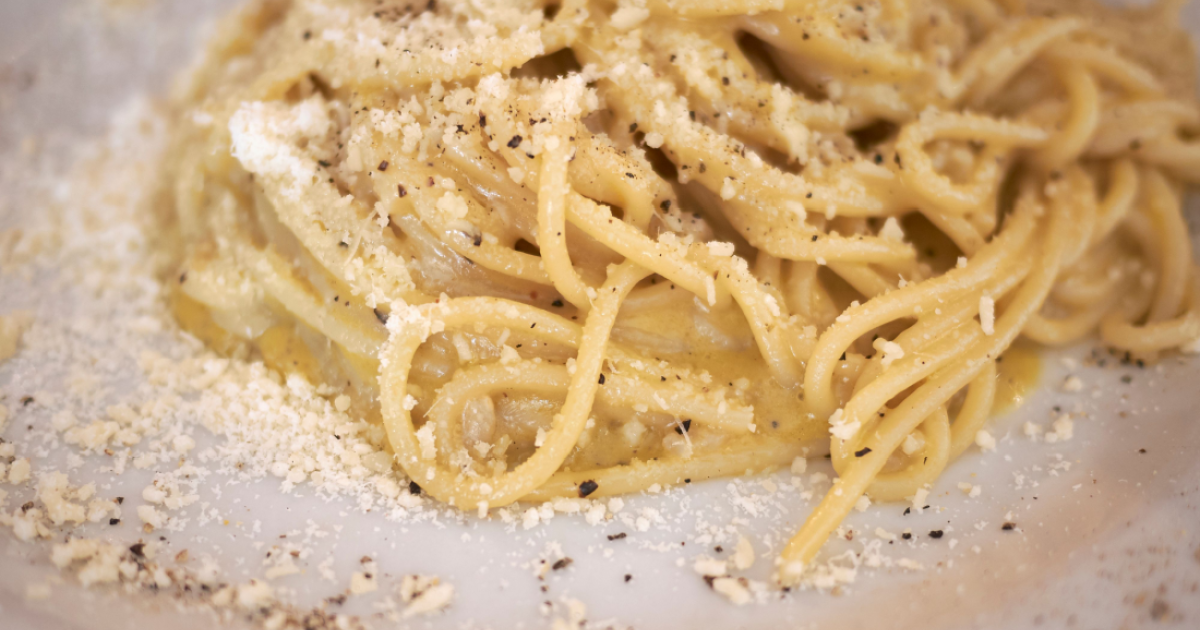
(975, 410)
(937, 189)
(856, 321)
(552, 240)
(925, 400)
(396, 358)
(1075, 132)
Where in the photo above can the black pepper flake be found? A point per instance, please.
(906, 536)
(114, 521)
(703, 167)
(633, 128)
(26, 401)
(907, 511)
(935, 534)
(183, 277)
(561, 564)
(514, 142)
(413, 488)
(601, 379)
(617, 536)
(1142, 451)
(557, 304)
(843, 357)
(400, 190)
(383, 165)
(864, 451)
(587, 487)
(478, 240)
(380, 316)
(665, 205)
(1009, 526)
(1127, 379)
(28, 505)
(307, 35)
(138, 550)
(323, 163)
(628, 577)
(120, 500)
(814, 238)
(725, 80)
(683, 427)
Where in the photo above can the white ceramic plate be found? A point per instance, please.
(1108, 523)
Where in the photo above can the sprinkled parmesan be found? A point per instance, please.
(918, 500)
(718, 248)
(429, 600)
(890, 350)
(361, 583)
(841, 429)
(18, 471)
(985, 441)
(11, 329)
(1063, 429)
(732, 588)
(743, 554)
(628, 15)
(987, 315)
(1072, 384)
(891, 230)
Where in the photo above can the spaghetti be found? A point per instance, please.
(582, 248)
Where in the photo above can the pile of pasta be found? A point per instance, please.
(579, 248)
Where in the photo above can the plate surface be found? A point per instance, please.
(1108, 523)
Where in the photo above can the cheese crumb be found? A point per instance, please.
(918, 500)
(985, 441)
(707, 566)
(890, 350)
(727, 189)
(361, 583)
(987, 315)
(913, 442)
(1072, 384)
(11, 329)
(628, 16)
(183, 444)
(799, 465)
(18, 472)
(1063, 429)
(732, 589)
(255, 595)
(150, 516)
(841, 429)
(891, 230)
(430, 600)
(743, 554)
